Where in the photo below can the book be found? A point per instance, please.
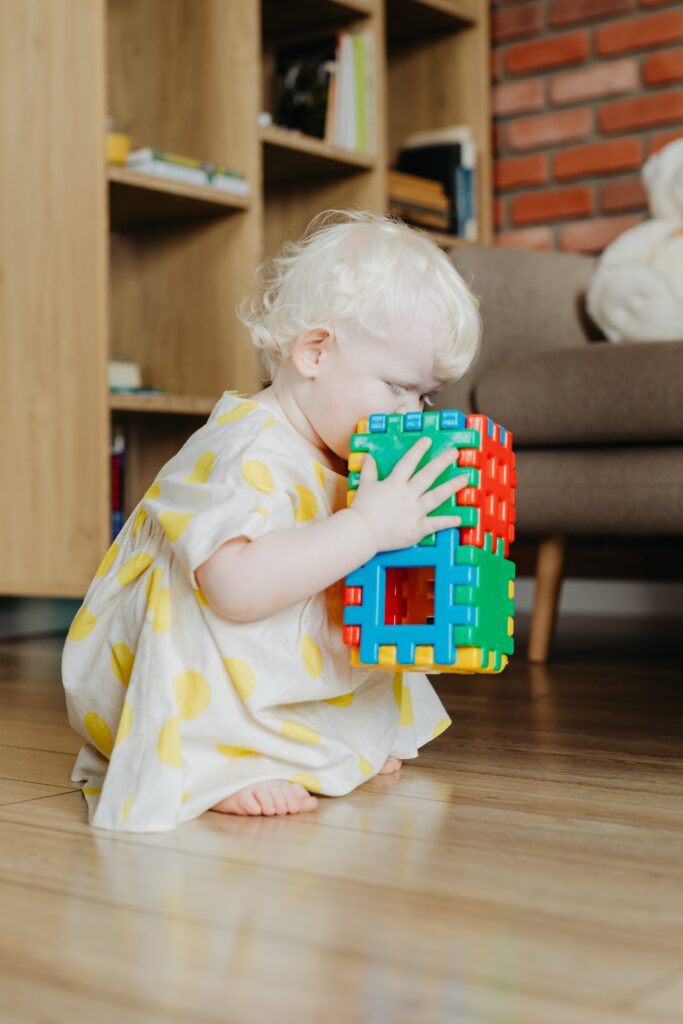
(118, 449)
(449, 156)
(187, 169)
(123, 373)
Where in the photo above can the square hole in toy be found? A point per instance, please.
(409, 596)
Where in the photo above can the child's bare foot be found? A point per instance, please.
(272, 797)
(392, 764)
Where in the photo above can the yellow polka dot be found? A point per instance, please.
(341, 702)
(126, 807)
(257, 475)
(134, 567)
(308, 504)
(174, 524)
(82, 625)
(200, 597)
(297, 731)
(153, 584)
(263, 511)
(310, 782)
(319, 471)
(168, 744)
(91, 790)
(225, 750)
(403, 700)
(140, 517)
(186, 795)
(202, 469)
(122, 659)
(152, 492)
(238, 413)
(125, 723)
(192, 694)
(312, 657)
(242, 675)
(107, 561)
(99, 732)
(365, 767)
(161, 623)
(440, 727)
(270, 422)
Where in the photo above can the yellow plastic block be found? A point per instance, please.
(424, 655)
(387, 654)
(511, 589)
(355, 461)
(511, 625)
(463, 668)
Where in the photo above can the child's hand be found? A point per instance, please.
(396, 509)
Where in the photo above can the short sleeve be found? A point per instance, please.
(225, 482)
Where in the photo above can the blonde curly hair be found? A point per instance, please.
(358, 272)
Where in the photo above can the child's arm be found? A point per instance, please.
(247, 580)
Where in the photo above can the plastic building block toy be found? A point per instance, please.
(447, 603)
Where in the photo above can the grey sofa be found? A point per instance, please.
(597, 426)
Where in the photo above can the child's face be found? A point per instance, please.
(368, 376)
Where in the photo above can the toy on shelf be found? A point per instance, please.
(447, 603)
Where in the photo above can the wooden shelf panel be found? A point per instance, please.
(293, 156)
(414, 19)
(294, 16)
(184, 405)
(136, 198)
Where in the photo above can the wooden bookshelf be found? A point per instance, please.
(101, 262)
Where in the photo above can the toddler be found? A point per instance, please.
(206, 668)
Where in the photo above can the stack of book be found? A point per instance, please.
(118, 448)
(186, 168)
(418, 201)
(327, 89)
(447, 156)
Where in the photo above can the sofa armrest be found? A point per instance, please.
(530, 302)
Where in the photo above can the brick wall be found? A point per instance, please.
(583, 92)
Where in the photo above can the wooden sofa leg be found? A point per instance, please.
(549, 569)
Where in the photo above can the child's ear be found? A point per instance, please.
(308, 349)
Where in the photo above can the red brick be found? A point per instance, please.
(623, 194)
(637, 33)
(528, 238)
(551, 205)
(566, 12)
(497, 68)
(526, 20)
(665, 66)
(520, 170)
(604, 79)
(598, 158)
(550, 52)
(546, 129)
(642, 111)
(514, 97)
(663, 139)
(594, 235)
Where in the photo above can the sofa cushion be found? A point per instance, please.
(625, 490)
(599, 393)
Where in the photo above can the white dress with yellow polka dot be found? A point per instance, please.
(180, 707)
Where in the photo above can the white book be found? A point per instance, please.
(122, 373)
(226, 183)
(455, 133)
(175, 172)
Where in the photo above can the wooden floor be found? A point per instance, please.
(526, 869)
